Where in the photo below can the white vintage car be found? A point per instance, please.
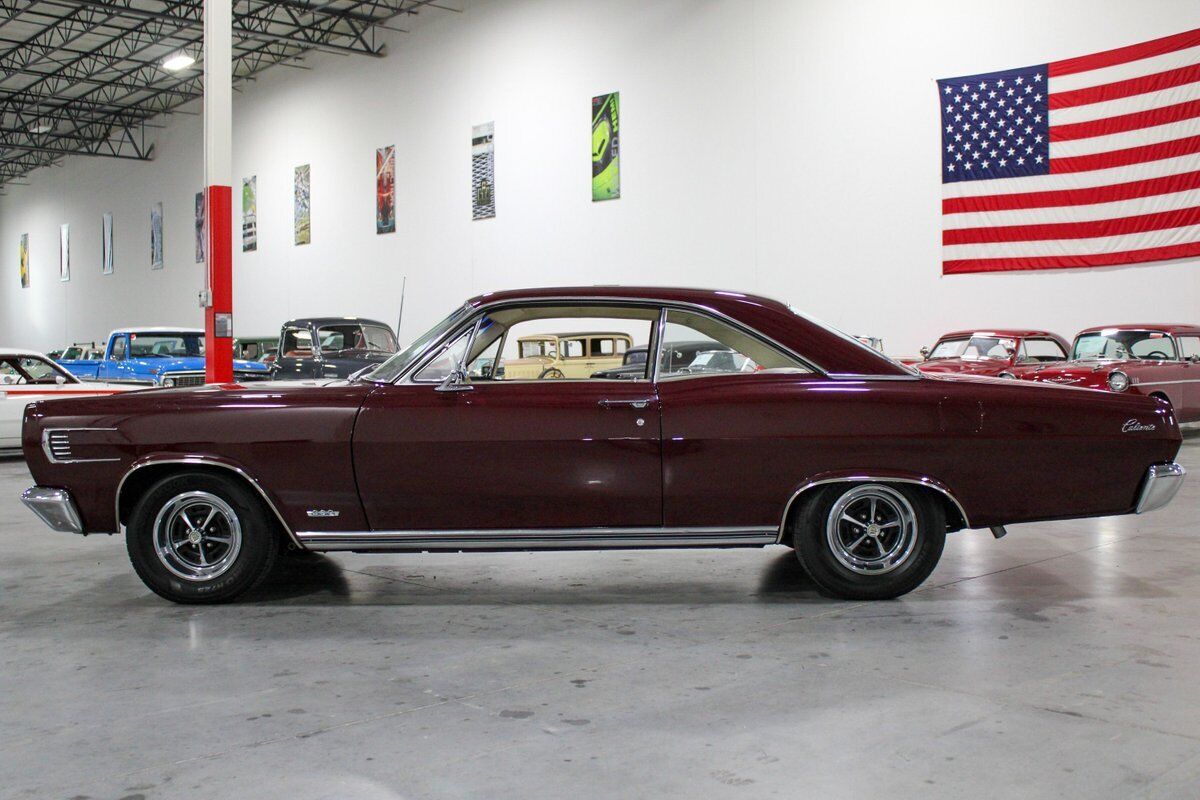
(26, 376)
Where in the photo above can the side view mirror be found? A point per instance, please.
(924, 351)
(456, 381)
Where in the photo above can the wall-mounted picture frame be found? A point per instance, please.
(156, 236)
(385, 189)
(302, 205)
(64, 252)
(106, 243)
(483, 171)
(606, 150)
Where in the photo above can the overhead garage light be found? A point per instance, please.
(41, 126)
(177, 62)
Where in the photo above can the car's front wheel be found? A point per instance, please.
(199, 537)
(869, 541)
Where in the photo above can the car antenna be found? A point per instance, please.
(400, 317)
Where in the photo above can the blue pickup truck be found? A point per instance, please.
(158, 357)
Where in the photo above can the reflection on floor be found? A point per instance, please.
(1059, 662)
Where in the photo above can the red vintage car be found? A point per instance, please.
(998, 352)
(1154, 359)
(808, 439)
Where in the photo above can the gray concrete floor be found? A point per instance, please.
(1060, 662)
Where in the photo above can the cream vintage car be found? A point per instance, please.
(566, 355)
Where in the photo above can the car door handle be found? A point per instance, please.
(625, 403)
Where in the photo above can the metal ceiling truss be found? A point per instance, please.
(84, 77)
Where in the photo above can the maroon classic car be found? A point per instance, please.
(1155, 360)
(998, 352)
(810, 440)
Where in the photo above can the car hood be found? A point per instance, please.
(359, 356)
(192, 364)
(1074, 373)
(965, 366)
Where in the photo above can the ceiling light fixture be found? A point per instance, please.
(41, 126)
(177, 62)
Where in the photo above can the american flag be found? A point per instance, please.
(1088, 162)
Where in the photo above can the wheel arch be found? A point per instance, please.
(956, 515)
(146, 472)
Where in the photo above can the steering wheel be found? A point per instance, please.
(1157, 354)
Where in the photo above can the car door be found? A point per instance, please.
(509, 455)
(296, 358)
(1189, 350)
(116, 365)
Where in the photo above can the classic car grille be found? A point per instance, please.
(187, 380)
(251, 376)
(58, 445)
(197, 378)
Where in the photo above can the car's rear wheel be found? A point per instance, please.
(869, 541)
(199, 537)
(552, 372)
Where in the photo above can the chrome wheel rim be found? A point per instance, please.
(871, 529)
(197, 536)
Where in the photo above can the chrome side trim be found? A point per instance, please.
(1161, 484)
(208, 462)
(58, 456)
(528, 538)
(53, 507)
(926, 482)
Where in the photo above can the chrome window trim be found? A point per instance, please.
(927, 482)
(420, 361)
(46, 432)
(526, 538)
(209, 462)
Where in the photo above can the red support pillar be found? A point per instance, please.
(218, 317)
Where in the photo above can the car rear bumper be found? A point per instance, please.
(1161, 484)
(54, 507)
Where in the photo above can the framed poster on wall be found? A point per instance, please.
(23, 260)
(250, 214)
(156, 236)
(302, 205)
(200, 227)
(385, 189)
(483, 171)
(106, 244)
(606, 151)
(64, 252)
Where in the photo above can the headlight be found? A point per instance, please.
(1008, 376)
(1118, 381)
(168, 381)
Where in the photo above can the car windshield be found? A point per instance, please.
(1114, 344)
(975, 348)
(165, 345)
(391, 369)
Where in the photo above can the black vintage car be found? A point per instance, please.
(331, 347)
(676, 358)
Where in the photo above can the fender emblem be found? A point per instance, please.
(1133, 426)
(323, 512)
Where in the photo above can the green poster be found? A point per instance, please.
(606, 152)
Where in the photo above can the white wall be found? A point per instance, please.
(777, 146)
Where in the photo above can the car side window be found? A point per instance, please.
(445, 362)
(118, 349)
(572, 348)
(297, 343)
(1042, 350)
(1189, 346)
(695, 344)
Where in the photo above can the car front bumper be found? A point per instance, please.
(54, 507)
(1161, 484)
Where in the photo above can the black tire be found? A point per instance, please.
(904, 571)
(244, 569)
